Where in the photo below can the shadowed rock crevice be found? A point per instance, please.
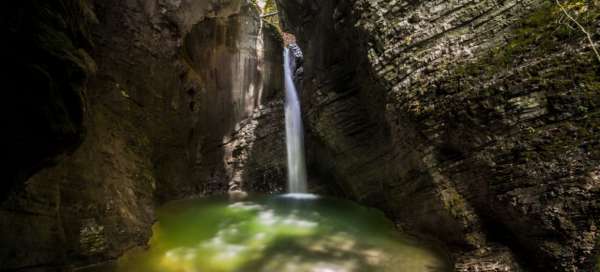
(46, 66)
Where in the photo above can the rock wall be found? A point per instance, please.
(234, 81)
(490, 122)
(47, 64)
(162, 68)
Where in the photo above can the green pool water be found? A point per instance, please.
(279, 234)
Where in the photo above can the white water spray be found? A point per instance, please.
(294, 131)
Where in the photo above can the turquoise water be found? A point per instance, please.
(278, 234)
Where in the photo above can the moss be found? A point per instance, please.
(454, 203)
(543, 32)
(274, 30)
(271, 8)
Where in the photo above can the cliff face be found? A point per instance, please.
(490, 131)
(184, 99)
(235, 65)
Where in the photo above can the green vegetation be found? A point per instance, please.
(272, 16)
(544, 32)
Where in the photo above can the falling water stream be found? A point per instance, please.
(294, 131)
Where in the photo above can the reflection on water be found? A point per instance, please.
(278, 234)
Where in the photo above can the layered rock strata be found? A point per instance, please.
(472, 122)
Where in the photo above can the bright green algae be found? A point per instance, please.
(279, 234)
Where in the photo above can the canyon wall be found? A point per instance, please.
(159, 100)
(47, 66)
(474, 123)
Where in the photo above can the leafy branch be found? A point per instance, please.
(587, 34)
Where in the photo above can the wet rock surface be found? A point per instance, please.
(484, 144)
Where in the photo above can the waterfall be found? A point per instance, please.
(294, 132)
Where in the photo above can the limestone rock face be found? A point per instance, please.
(163, 69)
(235, 66)
(473, 122)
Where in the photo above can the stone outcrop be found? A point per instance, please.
(472, 122)
(181, 90)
